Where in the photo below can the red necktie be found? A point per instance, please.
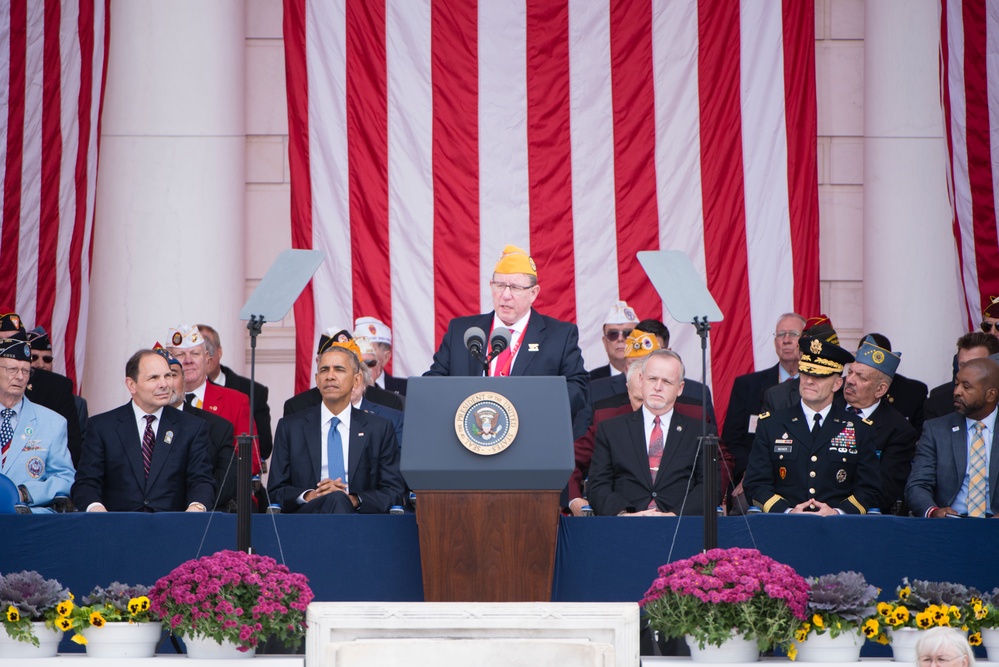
(148, 443)
(655, 453)
(503, 361)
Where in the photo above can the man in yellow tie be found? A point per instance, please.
(956, 468)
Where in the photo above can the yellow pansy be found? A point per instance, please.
(817, 621)
(924, 619)
(79, 639)
(64, 608)
(97, 620)
(903, 593)
(885, 609)
(883, 638)
(975, 639)
(800, 634)
(13, 615)
(871, 628)
(64, 624)
(792, 652)
(901, 615)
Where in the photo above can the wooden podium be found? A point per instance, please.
(488, 521)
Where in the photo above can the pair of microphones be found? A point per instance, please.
(475, 341)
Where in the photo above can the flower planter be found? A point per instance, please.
(990, 640)
(903, 644)
(49, 639)
(735, 649)
(204, 648)
(123, 640)
(845, 647)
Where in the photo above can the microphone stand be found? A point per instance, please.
(709, 446)
(244, 470)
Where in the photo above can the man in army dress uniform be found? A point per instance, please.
(815, 456)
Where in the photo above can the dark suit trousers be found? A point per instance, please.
(331, 503)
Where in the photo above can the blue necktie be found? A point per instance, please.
(334, 451)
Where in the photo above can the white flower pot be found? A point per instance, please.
(990, 640)
(123, 640)
(209, 649)
(49, 639)
(735, 649)
(903, 644)
(844, 647)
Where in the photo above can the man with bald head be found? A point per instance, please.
(956, 467)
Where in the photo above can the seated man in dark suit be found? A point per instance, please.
(539, 345)
(951, 473)
(334, 458)
(865, 389)
(221, 452)
(647, 462)
(380, 336)
(313, 397)
(974, 345)
(145, 456)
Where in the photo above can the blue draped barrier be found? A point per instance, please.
(598, 559)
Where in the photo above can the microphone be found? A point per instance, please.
(475, 338)
(499, 341)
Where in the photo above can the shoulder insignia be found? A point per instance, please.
(868, 422)
(764, 415)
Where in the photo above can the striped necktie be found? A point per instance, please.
(148, 443)
(6, 435)
(978, 474)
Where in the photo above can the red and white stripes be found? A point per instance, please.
(969, 57)
(53, 58)
(427, 134)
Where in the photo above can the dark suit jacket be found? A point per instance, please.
(261, 411)
(839, 467)
(372, 469)
(394, 416)
(395, 384)
(693, 391)
(620, 479)
(745, 401)
(556, 352)
(600, 372)
(220, 453)
(55, 392)
(111, 472)
(941, 463)
(940, 402)
(895, 439)
(313, 397)
(908, 396)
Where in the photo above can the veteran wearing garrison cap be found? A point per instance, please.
(380, 336)
(990, 317)
(815, 456)
(34, 452)
(618, 324)
(865, 389)
(540, 345)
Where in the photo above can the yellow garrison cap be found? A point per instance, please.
(516, 260)
(640, 344)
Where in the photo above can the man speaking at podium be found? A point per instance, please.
(538, 344)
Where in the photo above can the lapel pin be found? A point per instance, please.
(168, 438)
(679, 428)
(360, 434)
(29, 431)
(785, 435)
(532, 347)
(955, 429)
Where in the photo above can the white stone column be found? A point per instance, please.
(169, 227)
(911, 288)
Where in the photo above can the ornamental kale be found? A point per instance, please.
(713, 593)
(27, 597)
(839, 603)
(234, 596)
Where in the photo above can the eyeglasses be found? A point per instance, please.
(515, 290)
(615, 334)
(987, 327)
(371, 364)
(787, 334)
(14, 371)
(939, 659)
(46, 358)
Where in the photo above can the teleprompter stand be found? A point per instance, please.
(687, 299)
(270, 302)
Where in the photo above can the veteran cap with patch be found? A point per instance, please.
(821, 358)
(621, 313)
(821, 327)
(16, 347)
(184, 337)
(881, 358)
(39, 340)
(332, 335)
(640, 344)
(516, 260)
(163, 352)
(991, 308)
(373, 329)
(11, 322)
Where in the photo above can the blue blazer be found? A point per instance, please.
(39, 457)
(391, 414)
(940, 465)
(111, 469)
(372, 469)
(555, 352)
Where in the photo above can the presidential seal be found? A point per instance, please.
(486, 423)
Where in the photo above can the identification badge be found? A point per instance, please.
(782, 449)
(753, 421)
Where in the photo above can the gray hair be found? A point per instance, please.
(803, 320)
(662, 352)
(942, 637)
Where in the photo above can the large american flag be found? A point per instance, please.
(53, 58)
(969, 61)
(427, 134)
